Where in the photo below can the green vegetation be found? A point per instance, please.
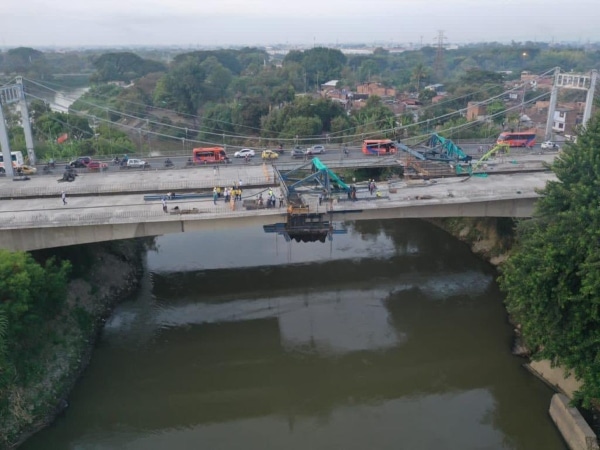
(31, 298)
(50, 306)
(245, 96)
(552, 279)
(123, 67)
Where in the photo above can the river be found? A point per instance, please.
(58, 98)
(392, 336)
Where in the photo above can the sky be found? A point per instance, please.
(221, 23)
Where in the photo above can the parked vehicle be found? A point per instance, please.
(270, 154)
(137, 164)
(550, 145)
(316, 150)
(244, 152)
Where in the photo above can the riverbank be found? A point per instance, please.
(492, 239)
(110, 274)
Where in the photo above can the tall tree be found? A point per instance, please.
(419, 74)
(552, 279)
(320, 64)
(124, 67)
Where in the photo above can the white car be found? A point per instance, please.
(137, 163)
(316, 150)
(244, 152)
(550, 145)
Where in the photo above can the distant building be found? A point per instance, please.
(565, 120)
(438, 88)
(375, 89)
(476, 111)
(330, 85)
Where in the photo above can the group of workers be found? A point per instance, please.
(233, 193)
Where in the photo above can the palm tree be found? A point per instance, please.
(420, 72)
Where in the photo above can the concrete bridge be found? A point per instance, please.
(110, 206)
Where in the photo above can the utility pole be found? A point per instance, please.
(589, 100)
(26, 123)
(4, 143)
(552, 105)
(438, 67)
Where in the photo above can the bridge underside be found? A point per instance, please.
(40, 237)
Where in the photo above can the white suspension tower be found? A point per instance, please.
(12, 94)
(571, 81)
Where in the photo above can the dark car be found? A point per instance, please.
(80, 162)
(297, 152)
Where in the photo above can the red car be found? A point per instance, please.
(96, 166)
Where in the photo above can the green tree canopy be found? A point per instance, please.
(25, 61)
(182, 88)
(52, 124)
(552, 280)
(320, 64)
(29, 295)
(374, 116)
(124, 67)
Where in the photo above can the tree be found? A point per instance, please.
(302, 127)
(6, 368)
(37, 108)
(374, 116)
(30, 294)
(25, 61)
(495, 110)
(320, 63)
(217, 78)
(124, 67)
(419, 73)
(217, 122)
(247, 114)
(552, 279)
(182, 88)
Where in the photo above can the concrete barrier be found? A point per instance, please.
(576, 432)
(555, 376)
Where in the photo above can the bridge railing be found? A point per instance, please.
(76, 188)
(60, 218)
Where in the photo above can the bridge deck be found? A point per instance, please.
(103, 200)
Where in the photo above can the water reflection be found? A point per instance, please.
(393, 337)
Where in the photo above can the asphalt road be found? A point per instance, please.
(332, 153)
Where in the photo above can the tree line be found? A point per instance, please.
(244, 96)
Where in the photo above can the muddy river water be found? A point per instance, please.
(392, 336)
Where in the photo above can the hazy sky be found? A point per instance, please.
(250, 22)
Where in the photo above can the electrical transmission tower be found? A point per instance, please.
(438, 67)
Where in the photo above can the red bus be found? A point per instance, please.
(517, 139)
(210, 155)
(379, 147)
